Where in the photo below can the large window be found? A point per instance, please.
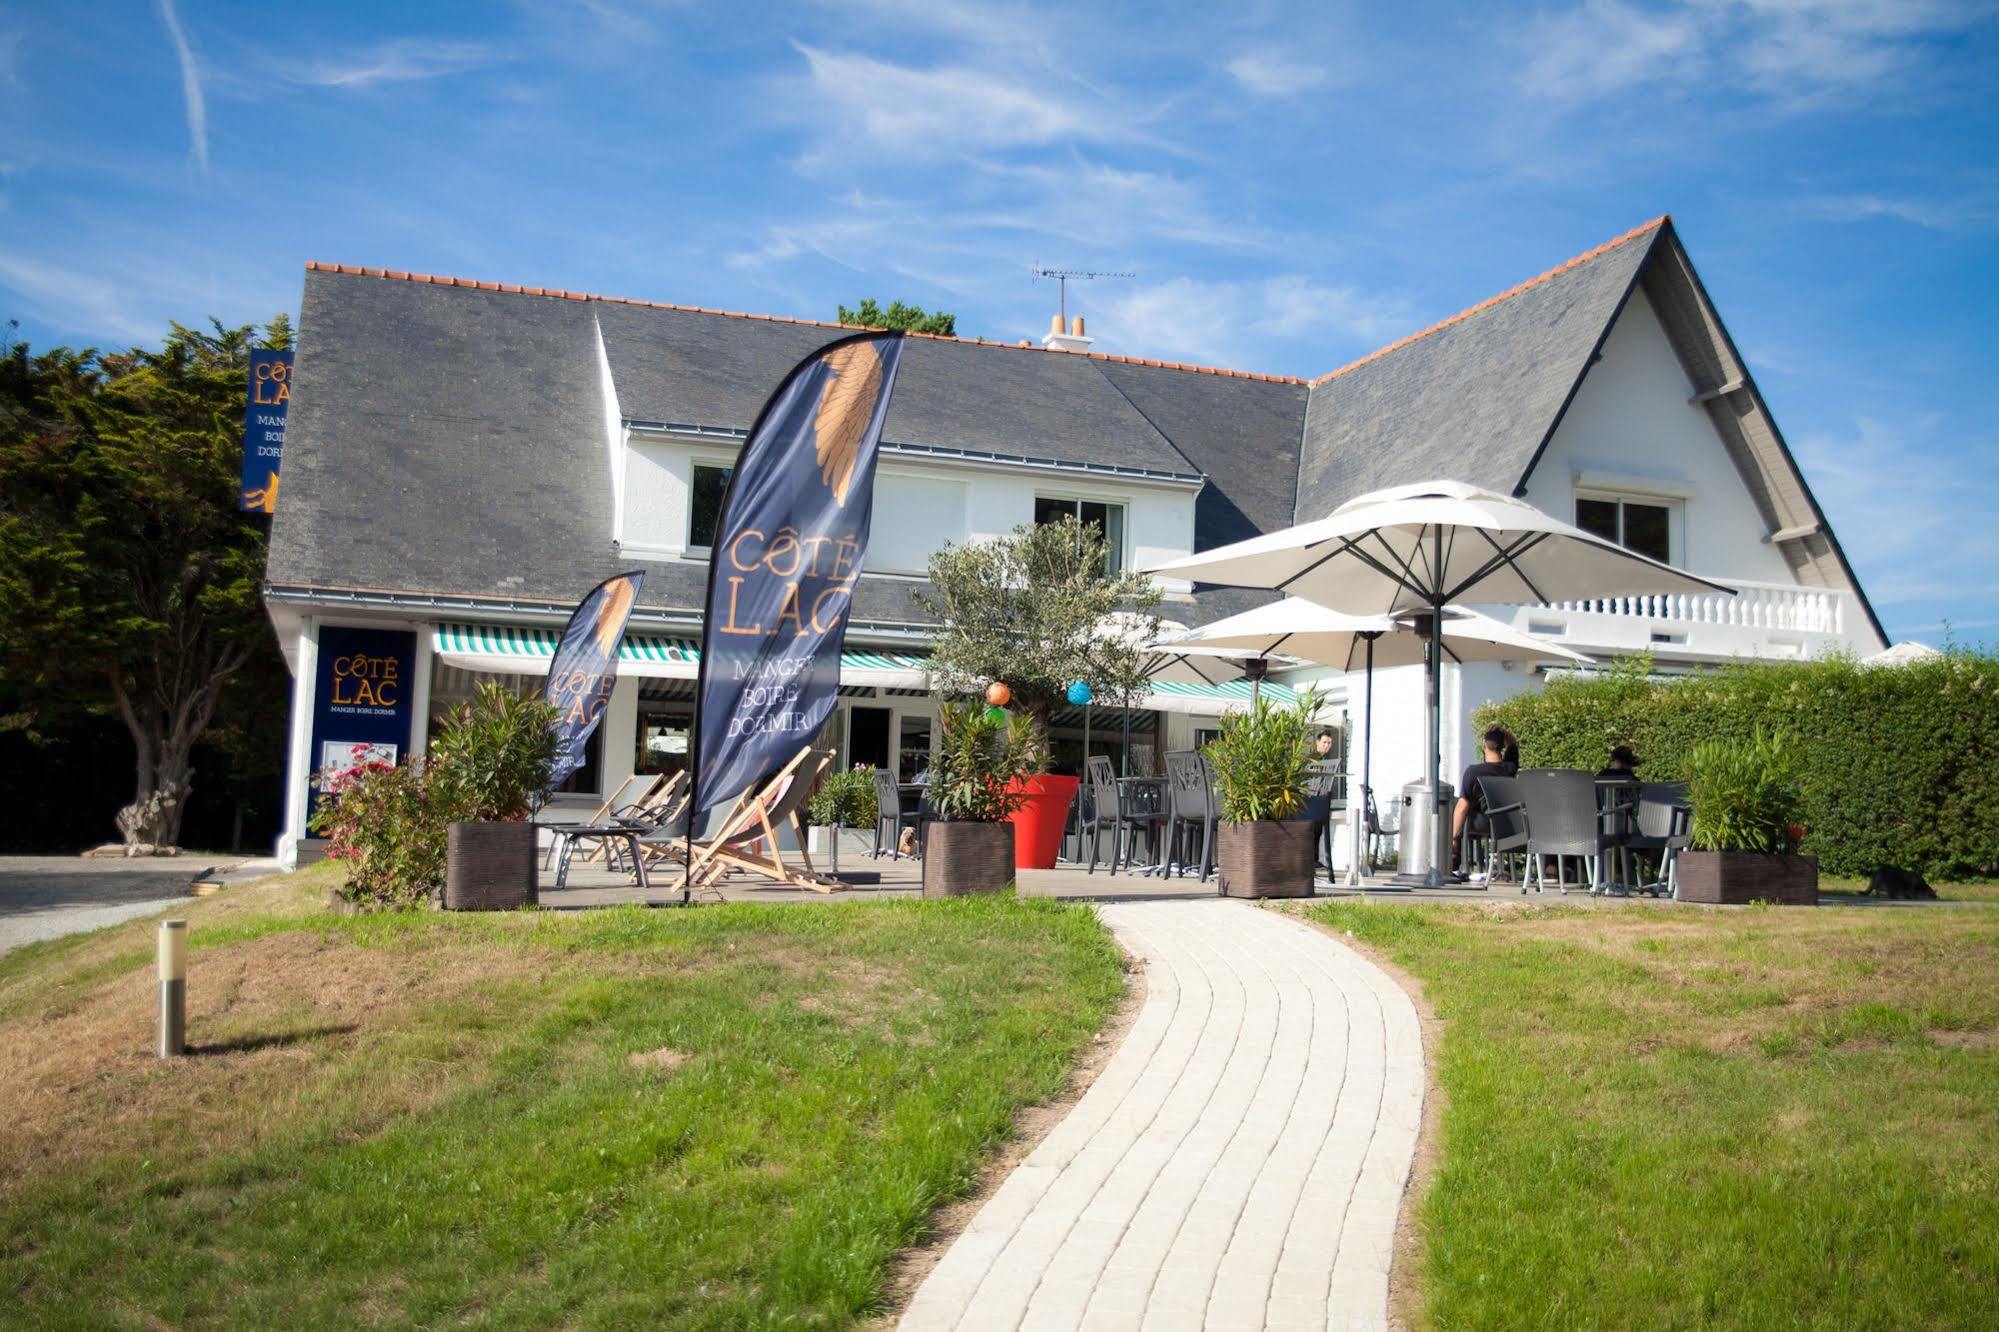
(1106, 518)
(1638, 525)
(704, 512)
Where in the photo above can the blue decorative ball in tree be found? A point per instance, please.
(1079, 693)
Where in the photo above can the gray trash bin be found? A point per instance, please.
(1419, 829)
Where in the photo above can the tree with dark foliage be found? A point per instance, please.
(129, 581)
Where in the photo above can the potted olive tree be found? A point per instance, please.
(974, 789)
(1029, 611)
(486, 767)
(1745, 834)
(1264, 843)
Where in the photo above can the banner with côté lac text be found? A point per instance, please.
(788, 550)
(585, 669)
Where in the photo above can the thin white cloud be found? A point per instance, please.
(403, 61)
(74, 300)
(1226, 322)
(1889, 488)
(1929, 214)
(939, 111)
(1273, 74)
(1788, 53)
(190, 84)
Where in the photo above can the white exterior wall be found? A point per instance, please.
(918, 506)
(1632, 424)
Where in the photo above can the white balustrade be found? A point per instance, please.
(1775, 606)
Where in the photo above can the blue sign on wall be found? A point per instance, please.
(264, 428)
(361, 700)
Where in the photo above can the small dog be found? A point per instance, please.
(1894, 881)
(906, 844)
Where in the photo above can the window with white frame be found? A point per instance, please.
(1641, 525)
(1105, 516)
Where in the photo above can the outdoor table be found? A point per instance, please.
(1617, 808)
(1148, 795)
(629, 834)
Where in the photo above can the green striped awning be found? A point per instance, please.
(1211, 700)
(526, 649)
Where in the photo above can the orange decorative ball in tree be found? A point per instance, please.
(998, 694)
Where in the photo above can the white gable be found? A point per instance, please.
(1633, 431)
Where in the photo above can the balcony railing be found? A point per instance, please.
(1778, 606)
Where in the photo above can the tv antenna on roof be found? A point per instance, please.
(1062, 276)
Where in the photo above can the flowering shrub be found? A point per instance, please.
(383, 821)
(387, 822)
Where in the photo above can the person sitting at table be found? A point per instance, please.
(1502, 759)
(1623, 766)
(1322, 746)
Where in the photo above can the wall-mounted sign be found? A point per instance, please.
(361, 703)
(264, 428)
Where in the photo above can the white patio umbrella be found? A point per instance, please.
(1421, 547)
(1323, 636)
(1165, 662)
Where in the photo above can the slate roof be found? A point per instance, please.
(1472, 398)
(406, 383)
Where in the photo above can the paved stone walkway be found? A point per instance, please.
(1238, 1164)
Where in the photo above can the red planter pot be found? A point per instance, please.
(1038, 824)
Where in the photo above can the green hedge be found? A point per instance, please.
(1898, 763)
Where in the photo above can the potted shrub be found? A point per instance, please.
(1264, 845)
(1745, 834)
(974, 788)
(486, 768)
(843, 800)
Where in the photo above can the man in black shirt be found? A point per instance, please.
(1622, 767)
(1499, 744)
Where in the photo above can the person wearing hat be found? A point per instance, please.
(1622, 767)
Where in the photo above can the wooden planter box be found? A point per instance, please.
(489, 866)
(1734, 877)
(964, 858)
(1264, 859)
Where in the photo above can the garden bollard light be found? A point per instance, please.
(173, 988)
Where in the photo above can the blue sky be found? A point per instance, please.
(1292, 185)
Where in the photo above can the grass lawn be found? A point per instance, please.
(1755, 1118)
(726, 1117)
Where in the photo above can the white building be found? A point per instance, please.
(464, 460)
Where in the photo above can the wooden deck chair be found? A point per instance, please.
(746, 838)
(656, 806)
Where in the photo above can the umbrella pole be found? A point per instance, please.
(1440, 834)
(1366, 762)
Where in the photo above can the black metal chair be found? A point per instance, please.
(1190, 811)
(1379, 834)
(1505, 824)
(1564, 820)
(891, 817)
(1662, 825)
(1117, 809)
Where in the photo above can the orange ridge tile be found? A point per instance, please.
(321, 266)
(1491, 301)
